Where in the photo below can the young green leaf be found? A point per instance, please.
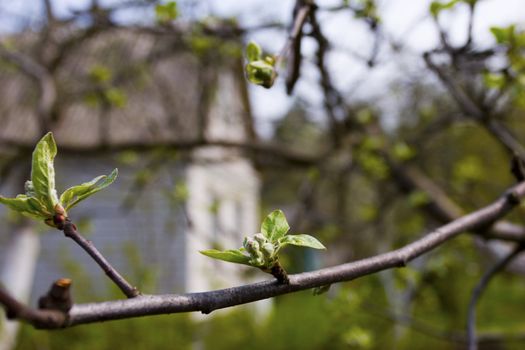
(233, 255)
(275, 226)
(253, 51)
(166, 12)
(43, 172)
(25, 205)
(302, 241)
(261, 73)
(73, 195)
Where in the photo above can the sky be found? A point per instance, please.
(404, 21)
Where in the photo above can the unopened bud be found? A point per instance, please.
(59, 209)
(259, 237)
(29, 188)
(252, 247)
(59, 220)
(268, 249)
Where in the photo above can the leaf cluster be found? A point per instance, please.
(262, 249)
(41, 201)
(260, 69)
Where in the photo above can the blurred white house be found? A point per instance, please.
(140, 94)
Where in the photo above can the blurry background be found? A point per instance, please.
(371, 148)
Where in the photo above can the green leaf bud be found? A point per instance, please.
(259, 237)
(268, 249)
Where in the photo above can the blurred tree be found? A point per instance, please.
(366, 172)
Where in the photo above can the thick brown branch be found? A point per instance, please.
(126, 288)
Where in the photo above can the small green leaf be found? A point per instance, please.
(100, 74)
(436, 7)
(503, 34)
(302, 241)
(43, 172)
(166, 12)
(261, 73)
(253, 51)
(73, 195)
(494, 80)
(25, 205)
(403, 152)
(233, 255)
(275, 226)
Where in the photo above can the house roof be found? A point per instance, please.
(124, 86)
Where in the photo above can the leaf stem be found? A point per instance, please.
(279, 273)
(70, 231)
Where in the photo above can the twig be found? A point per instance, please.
(478, 291)
(71, 231)
(301, 12)
(44, 79)
(472, 10)
(38, 318)
(259, 150)
(471, 109)
(332, 98)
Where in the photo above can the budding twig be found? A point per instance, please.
(70, 231)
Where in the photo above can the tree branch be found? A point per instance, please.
(70, 231)
(44, 79)
(471, 109)
(261, 151)
(38, 318)
(478, 291)
(292, 47)
(207, 302)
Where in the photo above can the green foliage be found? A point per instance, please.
(259, 70)
(504, 35)
(366, 9)
(100, 74)
(437, 6)
(275, 226)
(40, 200)
(73, 195)
(403, 152)
(262, 249)
(166, 12)
(512, 77)
(42, 184)
(234, 256)
(151, 333)
(115, 97)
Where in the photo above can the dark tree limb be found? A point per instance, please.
(469, 107)
(333, 101)
(44, 79)
(478, 291)
(260, 151)
(71, 231)
(292, 48)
